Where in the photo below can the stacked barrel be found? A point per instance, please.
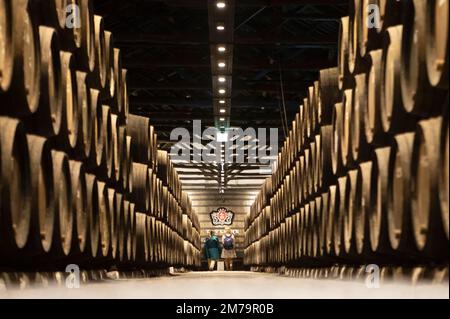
(363, 175)
(78, 172)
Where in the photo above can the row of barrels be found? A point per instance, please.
(160, 192)
(154, 199)
(69, 190)
(362, 123)
(169, 176)
(388, 77)
(53, 212)
(49, 74)
(392, 208)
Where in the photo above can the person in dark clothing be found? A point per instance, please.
(212, 250)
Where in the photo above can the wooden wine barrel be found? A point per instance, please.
(311, 169)
(358, 142)
(46, 121)
(317, 248)
(141, 239)
(79, 206)
(355, 19)
(94, 212)
(323, 223)
(312, 101)
(151, 239)
(84, 109)
(393, 116)
(42, 196)
(120, 222)
(328, 94)
(390, 13)
(349, 208)
(96, 131)
(68, 133)
(379, 201)
(114, 214)
(325, 168)
(419, 97)
(443, 176)
(437, 42)
(399, 207)
(138, 128)
(300, 123)
(141, 187)
(153, 194)
(115, 158)
(100, 69)
(86, 53)
(368, 38)
(372, 115)
(336, 143)
(345, 140)
(104, 221)
(306, 230)
(333, 203)
(129, 166)
(110, 84)
(339, 213)
(123, 116)
(117, 99)
(305, 173)
(25, 84)
(363, 207)
(122, 160)
(132, 234)
(63, 232)
(60, 15)
(426, 218)
(105, 143)
(6, 45)
(15, 190)
(343, 53)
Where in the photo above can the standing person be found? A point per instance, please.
(212, 250)
(228, 252)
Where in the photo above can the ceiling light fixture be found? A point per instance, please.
(223, 111)
(222, 91)
(222, 79)
(221, 5)
(222, 119)
(221, 65)
(222, 101)
(221, 49)
(220, 27)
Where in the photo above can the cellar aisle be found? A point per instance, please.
(233, 285)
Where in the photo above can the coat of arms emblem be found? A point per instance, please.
(222, 217)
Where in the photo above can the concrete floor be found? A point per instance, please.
(238, 285)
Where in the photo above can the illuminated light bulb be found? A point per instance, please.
(222, 101)
(222, 79)
(222, 91)
(220, 27)
(223, 111)
(221, 49)
(221, 5)
(221, 64)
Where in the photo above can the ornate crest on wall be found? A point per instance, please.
(222, 217)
